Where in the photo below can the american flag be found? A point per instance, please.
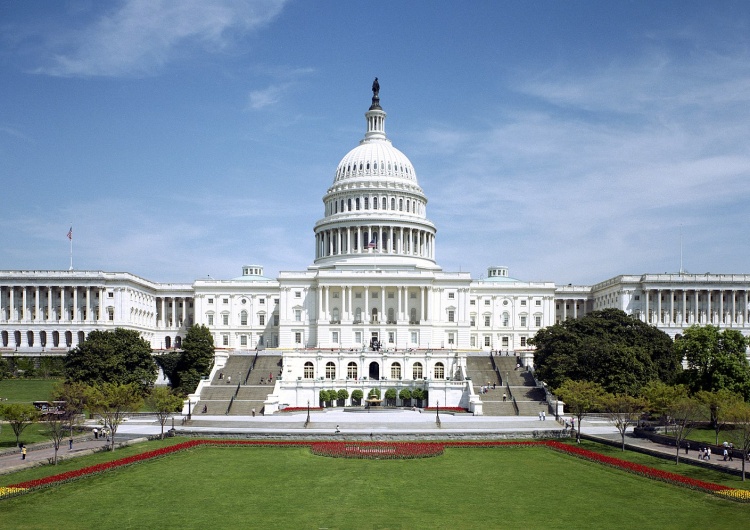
(373, 243)
(70, 233)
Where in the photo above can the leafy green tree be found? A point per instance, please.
(342, 395)
(4, 369)
(715, 360)
(405, 395)
(607, 347)
(120, 356)
(19, 416)
(718, 404)
(112, 401)
(197, 354)
(374, 393)
(580, 397)
(419, 395)
(164, 403)
(55, 426)
(390, 397)
(622, 410)
(357, 396)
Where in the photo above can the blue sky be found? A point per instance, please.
(569, 141)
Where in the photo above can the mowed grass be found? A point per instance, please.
(256, 487)
(26, 390)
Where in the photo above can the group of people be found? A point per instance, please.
(542, 416)
(98, 433)
(485, 389)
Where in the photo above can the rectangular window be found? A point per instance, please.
(473, 322)
(110, 295)
(243, 340)
(451, 315)
(637, 297)
(451, 338)
(262, 301)
(473, 341)
(487, 302)
(225, 300)
(297, 294)
(472, 302)
(487, 340)
(358, 337)
(505, 342)
(276, 320)
(276, 301)
(523, 342)
(225, 319)
(210, 320)
(262, 320)
(538, 302)
(390, 295)
(414, 337)
(451, 296)
(225, 340)
(523, 302)
(210, 300)
(538, 321)
(391, 337)
(335, 337)
(523, 321)
(298, 315)
(298, 337)
(487, 321)
(243, 319)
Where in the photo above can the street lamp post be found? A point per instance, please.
(437, 413)
(308, 413)
(189, 411)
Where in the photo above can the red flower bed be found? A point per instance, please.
(377, 450)
(447, 409)
(300, 409)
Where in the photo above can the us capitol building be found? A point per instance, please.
(373, 305)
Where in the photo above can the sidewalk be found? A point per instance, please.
(43, 453)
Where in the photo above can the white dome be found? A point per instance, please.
(375, 158)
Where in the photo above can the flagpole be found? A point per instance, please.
(70, 237)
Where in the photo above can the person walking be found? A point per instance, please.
(23, 452)
(70, 444)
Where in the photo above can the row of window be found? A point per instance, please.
(352, 370)
(243, 319)
(504, 341)
(373, 203)
(488, 302)
(261, 301)
(506, 320)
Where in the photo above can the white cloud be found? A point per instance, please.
(142, 35)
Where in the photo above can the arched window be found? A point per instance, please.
(416, 371)
(351, 370)
(330, 370)
(243, 318)
(395, 371)
(384, 203)
(167, 342)
(374, 314)
(439, 371)
(401, 205)
(393, 204)
(506, 319)
(309, 370)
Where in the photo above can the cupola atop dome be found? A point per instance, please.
(375, 157)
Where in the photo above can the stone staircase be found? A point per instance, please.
(529, 398)
(217, 396)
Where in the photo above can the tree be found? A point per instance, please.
(685, 413)
(715, 360)
(622, 410)
(357, 396)
(390, 397)
(608, 347)
(342, 395)
(19, 416)
(580, 397)
(419, 395)
(405, 395)
(718, 404)
(112, 401)
(739, 415)
(121, 356)
(55, 426)
(164, 403)
(197, 357)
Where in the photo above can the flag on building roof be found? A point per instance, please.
(70, 233)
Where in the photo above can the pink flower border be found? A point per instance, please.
(382, 450)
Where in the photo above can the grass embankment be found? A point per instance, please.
(26, 390)
(532, 487)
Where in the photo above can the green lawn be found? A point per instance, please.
(253, 487)
(26, 390)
